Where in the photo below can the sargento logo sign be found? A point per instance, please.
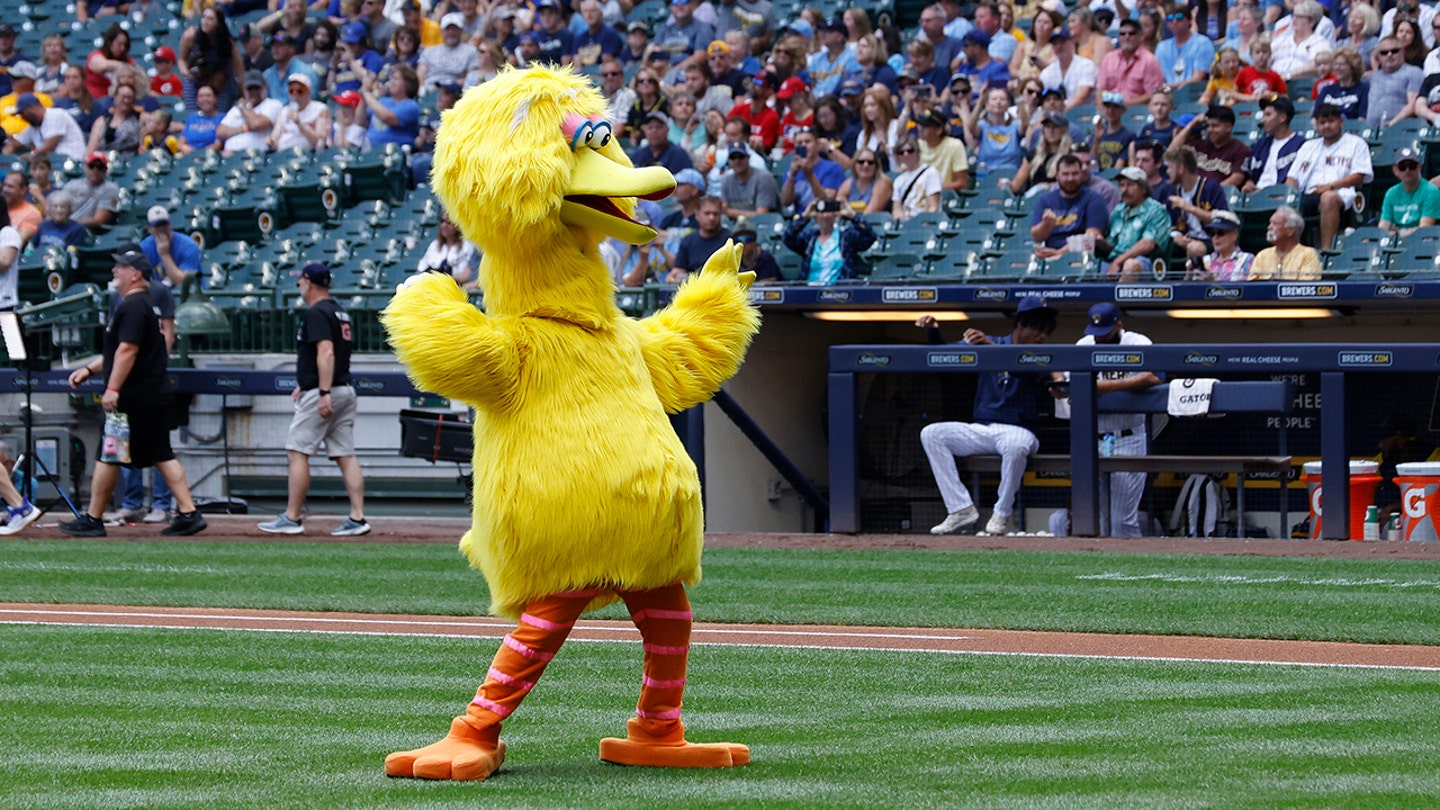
(1394, 290)
(1117, 358)
(1036, 359)
(1144, 293)
(1366, 358)
(232, 383)
(834, 296)
(871, 359)
(951, 359)
(1306, 291)
(1225, 293)
(1198, 359)
(991, 295)
(903, 295)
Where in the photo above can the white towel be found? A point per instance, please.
(1190, 397)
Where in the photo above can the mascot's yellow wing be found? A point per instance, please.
(448, 346)
(697, 342)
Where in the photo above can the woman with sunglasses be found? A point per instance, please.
(648, 99)
(917, 187)
(867, 190)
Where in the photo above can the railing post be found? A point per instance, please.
(844, 454)
(1084, 464)
(1334, 459)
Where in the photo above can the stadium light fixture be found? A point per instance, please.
(1273, 313)
(885, 315)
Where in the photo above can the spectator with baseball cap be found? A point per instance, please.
(637, 40)
(1112, 137)
(1227, 262)
(658, 150)
(165, 81)
(557, 44)
(835, 60)
(304, 123)
(764, 122)
(978, 65)
(943, 152)
(1139, 229)
(795, 96)
(96, 198)
(22, 78)
(1271, 156)
(427, 31)
(723, 72)
(358, 59)
(1412, 203)
(48, 132)
(348, 129)
(452, 59)
(254, 48)
(689, 188)
(283, 48)
(248, 124)
(1222, 155)
(172, 256)
(744, 190)
(1006, 411)
(9, 56)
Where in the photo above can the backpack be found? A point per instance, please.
(1202, 503)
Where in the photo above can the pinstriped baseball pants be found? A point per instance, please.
(944, 441)
(1120, 492)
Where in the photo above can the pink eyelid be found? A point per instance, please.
(574, 124)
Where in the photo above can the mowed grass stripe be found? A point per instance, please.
(149, 718)
(1376, 601)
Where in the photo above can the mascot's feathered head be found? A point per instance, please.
(527, 162)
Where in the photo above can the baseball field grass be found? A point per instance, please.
(152, 718)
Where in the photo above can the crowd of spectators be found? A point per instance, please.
(771, 116)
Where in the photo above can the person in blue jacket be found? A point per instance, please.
(829, 253)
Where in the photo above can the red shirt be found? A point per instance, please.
(764, 123)
(166, 86)
(1251, 81)
(789, 126)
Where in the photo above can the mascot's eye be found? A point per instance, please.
(602, 135)
(589, 136)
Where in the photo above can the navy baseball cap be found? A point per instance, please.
(1030, 303)
(316, 273)
(1103, 317)
(131, 255)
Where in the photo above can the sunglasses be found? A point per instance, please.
(1128, 33)
(865, 162)
(611, 73)
(745, 239)
(1389, 52)
(905, 150)
(1176, 18)
(1407, 166)
(646, 81)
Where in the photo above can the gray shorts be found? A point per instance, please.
(309, 429)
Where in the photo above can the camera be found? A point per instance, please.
(924, 91)
(827, 206)
(802, 151)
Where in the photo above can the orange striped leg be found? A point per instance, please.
(473, 749)
(655, 736)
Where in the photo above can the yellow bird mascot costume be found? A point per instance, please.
(583, 492)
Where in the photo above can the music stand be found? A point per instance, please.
(13, 332)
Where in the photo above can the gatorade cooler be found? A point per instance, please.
(1420, 500)
(1363, 480)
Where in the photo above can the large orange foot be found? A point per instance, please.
(640, 747)
(464, 755)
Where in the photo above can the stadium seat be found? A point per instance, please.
(899, 267)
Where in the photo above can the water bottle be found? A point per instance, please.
(1107, 445)
(1393, 531)
(1372, 523)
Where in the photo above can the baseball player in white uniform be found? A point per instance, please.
(1120, 492)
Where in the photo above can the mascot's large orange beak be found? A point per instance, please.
(594, 183)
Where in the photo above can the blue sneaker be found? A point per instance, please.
(19, 518)
(282, 525)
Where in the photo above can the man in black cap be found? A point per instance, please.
(658, 149)
(136, 387)
(1222, 156)
(248, 123)
(324, 406)
(1271, 156)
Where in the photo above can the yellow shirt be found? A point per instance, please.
(430, 33)
(948, 158)
(1300, 264)
(10, 120)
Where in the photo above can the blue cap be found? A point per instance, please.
(690, 177)
(531, 37)
(976, 37)
(851, 87)
(802, 28)
(25, 102)
(1031, 303)
(1103, 317)
(316, 273)
(354, 32)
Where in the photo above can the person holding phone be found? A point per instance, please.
(829, 253)
(812, 173)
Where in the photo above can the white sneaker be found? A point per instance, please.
(19, 517)
(999, 525)
(956, 521)
(156, 516)
(282, 524)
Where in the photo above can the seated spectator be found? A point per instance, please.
(54, 60)
(77, 101)
(1223, 86)
(42, 180)
(394, 117)
(173, 256)
(291, 20)
(982, 70)
(452, 60)
(834, 127)
(48, 131)
(1257, 80)
(1393, 87)
(96, 198)
(598, 41)
(744, 190)
(348, 131)
(405, 47)
(657, 150)
(871, 54)
(1184, 57)
(1297, 43)
(557, 44)
(1112, 137)
(648, 99)
(304, 123)
(200, 126)
(1042, 164)
(451, 253)
(1350, 92)
(1192, 202)
(764, 122)
(1149, 156)
(155, 133)
(1362, 31)
(1329, 170)
(1160, 127)
(1038, 51)
(22, 79)
(880, 127)
(283, 50)
(1286, 259)
(1131, 70)
(942, 152)
(24, 216)
(812, 174)
(1227, 262)
(685, 125)
(867, 190)
(1107, 190)
(1272, 156)
(1066, 211)
(358, 59)
(166, 82)
(917, 187)
(689, 189)
(1071, 72)
(795, 98)
(1222, 156)
(829, 254)
(696, 248)
(324, 56)
(249, 122)
(422, 156)
(1139, 229)
(58, 229)
(1410, 204)
(120, 128)
(1052, 100)
(637, 41)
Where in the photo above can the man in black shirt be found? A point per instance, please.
(135, 385)
(324, 405)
